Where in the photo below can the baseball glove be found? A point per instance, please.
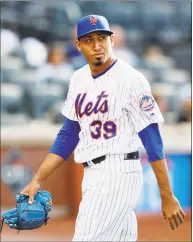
(29, 216)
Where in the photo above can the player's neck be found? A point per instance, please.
(96, 70)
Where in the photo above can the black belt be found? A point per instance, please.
(128, 156)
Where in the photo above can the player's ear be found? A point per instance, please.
(112, 40)
(78, 45)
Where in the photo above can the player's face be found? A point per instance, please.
(96, 47)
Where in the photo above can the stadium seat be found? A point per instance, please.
(158, 66)
(184, 14)
(9, 42)
(162, 62)
(165, 89)
(148, 74)
(10, 66)
(167, 99)
(63, 17)
(171, 35)
(63, 83)
(156, 15)
(183, 56)
(175, 76)
(34, 52)
(34, 14)
(54, 114)
(25, 78)
(11, 63)
(135, 36)
(14, 119)
(126, 14)
(43, 97)
(11, 98)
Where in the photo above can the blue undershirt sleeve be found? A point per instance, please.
(67, 139)
(152, 142)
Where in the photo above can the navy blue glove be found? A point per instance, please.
(29, 216)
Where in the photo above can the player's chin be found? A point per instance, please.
(99, 61)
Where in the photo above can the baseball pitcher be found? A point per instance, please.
(108, 114)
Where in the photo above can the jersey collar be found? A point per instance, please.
(102, 73)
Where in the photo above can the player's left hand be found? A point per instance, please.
(172, 211)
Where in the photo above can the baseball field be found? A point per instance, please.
(151, 228)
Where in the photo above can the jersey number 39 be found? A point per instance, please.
(107, 129)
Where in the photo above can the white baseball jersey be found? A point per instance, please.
(111, 109)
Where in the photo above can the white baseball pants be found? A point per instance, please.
(110, 191)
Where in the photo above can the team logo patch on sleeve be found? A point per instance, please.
(146, 102)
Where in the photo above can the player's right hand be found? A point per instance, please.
(31, 189)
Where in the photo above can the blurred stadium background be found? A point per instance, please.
(38, 57)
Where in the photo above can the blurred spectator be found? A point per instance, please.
(34, 51)
(185, 114)
(121, 50)
(75, 57)
(155, 57)
(9, 42)
(57, 66)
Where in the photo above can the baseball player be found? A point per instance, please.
(108, 113)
